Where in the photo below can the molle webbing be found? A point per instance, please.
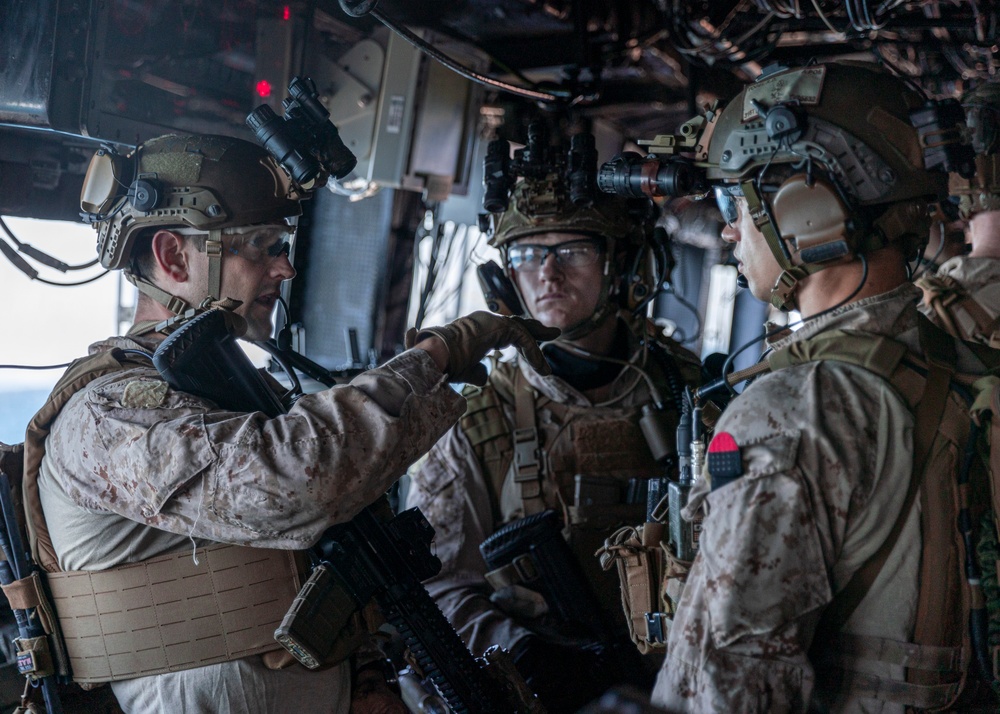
(488, 430)
(529, 459)
(842, 650)
(168, 614)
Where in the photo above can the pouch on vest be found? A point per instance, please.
(651, 580)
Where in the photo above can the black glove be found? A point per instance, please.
(470, 338)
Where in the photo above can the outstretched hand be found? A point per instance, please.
(469, 339)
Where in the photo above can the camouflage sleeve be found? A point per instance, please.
(742, 630)
(173, 461)
(450, 489)
(816, 498)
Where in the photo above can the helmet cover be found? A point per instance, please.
(205, 182)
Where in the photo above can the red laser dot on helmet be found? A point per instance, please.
(286, 13)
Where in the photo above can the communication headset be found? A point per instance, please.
(144, 194)
(814, 214)
(501, 296)
(103, 187)
(813, 218)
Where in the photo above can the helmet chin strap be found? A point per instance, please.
(783, 292)
(176, 305)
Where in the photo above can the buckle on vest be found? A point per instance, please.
(657, 626)
(527, 459)
(525, 568)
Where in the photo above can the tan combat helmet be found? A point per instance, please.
(541, 203)
(830, 164)
(981, 193)
(204, 182)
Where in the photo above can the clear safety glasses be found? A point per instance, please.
(725, 197)
(255, 243)
(571, 254)
(259, 243)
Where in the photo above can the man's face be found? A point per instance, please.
(559, 276)
(254, 264)
(755, 260)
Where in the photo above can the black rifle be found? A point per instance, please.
(17, 565)
(375, 556)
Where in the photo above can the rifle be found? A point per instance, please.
(39, 658)
(373, 556)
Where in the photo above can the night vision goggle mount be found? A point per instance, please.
(305, 143)
(557, 176)
(674, 165)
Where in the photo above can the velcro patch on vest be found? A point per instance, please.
(612, 446)
(144, 394)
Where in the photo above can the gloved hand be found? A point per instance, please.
(564, 677)
(470, 338)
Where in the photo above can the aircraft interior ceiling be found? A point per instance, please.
(417, 88)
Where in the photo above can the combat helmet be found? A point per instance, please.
(544, 190)
(830, 162)
(981, 193)
(204, 182)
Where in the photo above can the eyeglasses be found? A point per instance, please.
(571, 254)
(255, 243)
(725, 197)
(259, 243)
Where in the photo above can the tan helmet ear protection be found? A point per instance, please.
(111, 176)
(807, 224)
(812, 220)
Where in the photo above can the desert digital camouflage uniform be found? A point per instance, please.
(593, 433)
(827, 458)
(133, 470)
(959, 280)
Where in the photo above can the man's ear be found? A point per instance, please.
(169, 250)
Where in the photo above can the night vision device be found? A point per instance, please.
(675, 164)
(537, 161)
(305, 143)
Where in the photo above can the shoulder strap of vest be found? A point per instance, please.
(79, 374)
(529, 463)
(946, 296)
(487, 428)
(939, 351)
(875, 353)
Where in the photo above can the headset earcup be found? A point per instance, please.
(812, 220)
(144, 194)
